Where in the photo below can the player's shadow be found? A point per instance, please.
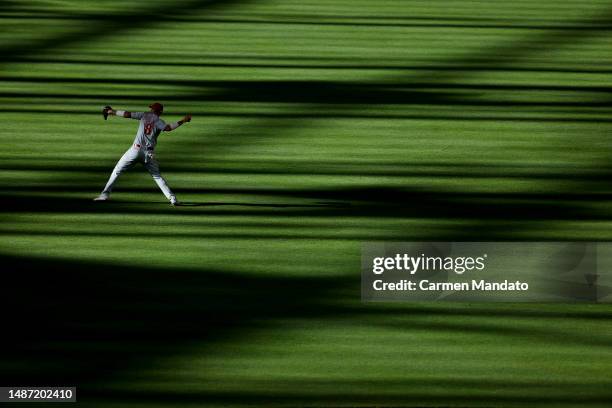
(263, 205)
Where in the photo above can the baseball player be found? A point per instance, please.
(143, 148)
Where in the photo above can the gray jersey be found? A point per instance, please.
(150, 127)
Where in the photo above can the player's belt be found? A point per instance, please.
(138, 146)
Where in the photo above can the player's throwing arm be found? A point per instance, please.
(143, 149)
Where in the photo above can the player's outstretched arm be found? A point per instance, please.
(123, 114)
(172, 126)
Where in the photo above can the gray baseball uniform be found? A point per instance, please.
(142, 151)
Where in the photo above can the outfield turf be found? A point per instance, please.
(318, 125)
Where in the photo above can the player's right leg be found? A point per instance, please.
(153, 168)
(126, 161)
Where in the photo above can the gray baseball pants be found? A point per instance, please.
(129, 159)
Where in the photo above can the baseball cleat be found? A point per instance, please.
(174, 202)
(102, 197)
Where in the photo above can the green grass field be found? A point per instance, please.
(318, 125)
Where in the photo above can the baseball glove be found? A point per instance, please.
(105, 111)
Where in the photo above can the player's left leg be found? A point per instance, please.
(153, 167)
